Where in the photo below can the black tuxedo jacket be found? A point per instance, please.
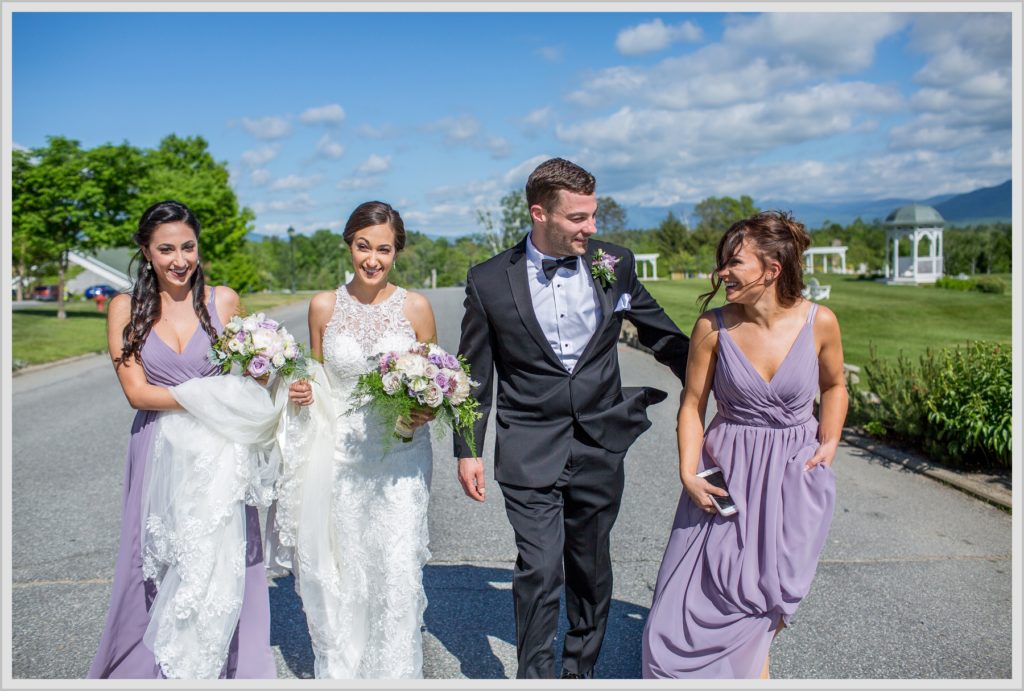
(538, 400)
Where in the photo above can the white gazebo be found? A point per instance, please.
(643, 261)
(826, 254)
(920, 224)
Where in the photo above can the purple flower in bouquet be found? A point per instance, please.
(259, 366)
(442, 381)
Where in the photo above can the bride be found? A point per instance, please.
(351, 515)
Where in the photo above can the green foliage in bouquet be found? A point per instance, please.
(395, 407)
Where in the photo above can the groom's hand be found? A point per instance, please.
(471, 475)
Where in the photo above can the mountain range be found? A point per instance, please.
(984, 205)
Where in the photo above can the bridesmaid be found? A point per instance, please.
(159, 337)
(728, 584)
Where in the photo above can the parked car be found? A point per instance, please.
(102, 289)
(46, 293)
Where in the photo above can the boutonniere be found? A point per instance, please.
(603, 267)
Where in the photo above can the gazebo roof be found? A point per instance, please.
(915, 216)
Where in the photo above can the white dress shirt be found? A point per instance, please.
(566, 306)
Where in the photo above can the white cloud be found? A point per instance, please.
(18, 147)
(654, 36)
(499, 147)
(374, 164)
(538, 117)
(296, 182)
(549, 53)
(254, 158)
(329, 148)
(270, 127)
(332, 114)
(456, 130)
(357, 183)
(829, 42)
(296, 204)
(377, 132)
(259, 176)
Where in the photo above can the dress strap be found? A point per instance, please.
(812, 312)
(718, 317)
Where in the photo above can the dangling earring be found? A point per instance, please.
(149, 266)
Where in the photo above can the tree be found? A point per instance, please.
(57, 202)
(28, 246)
(515, 222)
(673, 237)
(718, 213)
(183, 169)
(611, 218)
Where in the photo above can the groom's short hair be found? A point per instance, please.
(553, 175)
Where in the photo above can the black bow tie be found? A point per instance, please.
(550, 266)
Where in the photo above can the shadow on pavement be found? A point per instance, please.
(288, 627)
(468, 607)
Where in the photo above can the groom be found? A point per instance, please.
(546, 316)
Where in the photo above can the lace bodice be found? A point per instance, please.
(357, 332)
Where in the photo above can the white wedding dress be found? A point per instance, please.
(351, 514)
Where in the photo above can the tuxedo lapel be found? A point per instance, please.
(604, 296)
(520, 285)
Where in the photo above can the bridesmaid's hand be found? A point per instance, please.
(698, 488)
(823, 454)
(300, 392)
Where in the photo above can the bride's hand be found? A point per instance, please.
(421, 416)
(300, 392)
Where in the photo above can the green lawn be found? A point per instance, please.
(38, 336)
(893, 318)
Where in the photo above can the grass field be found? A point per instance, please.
(38, 336)
(893, 318)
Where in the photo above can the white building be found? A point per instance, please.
(922, 226)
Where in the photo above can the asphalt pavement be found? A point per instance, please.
(914, 582)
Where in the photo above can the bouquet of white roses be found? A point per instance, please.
(426, 377)
(258, 345)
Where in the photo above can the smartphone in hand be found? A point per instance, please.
(725, 505)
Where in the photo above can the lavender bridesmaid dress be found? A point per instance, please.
(726, 582)
(122, 654)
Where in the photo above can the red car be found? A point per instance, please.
(46, 293)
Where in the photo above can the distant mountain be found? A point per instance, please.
(983, 205)
(986, 204)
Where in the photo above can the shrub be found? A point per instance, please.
(989, 284)
(950, 283)
(955, 405)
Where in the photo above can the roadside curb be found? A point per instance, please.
(981, 485)
(28, 369)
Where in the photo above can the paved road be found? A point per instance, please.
(915, 581)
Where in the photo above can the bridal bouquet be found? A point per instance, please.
(258, 345)
(426, 378)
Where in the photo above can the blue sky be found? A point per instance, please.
(443, 113)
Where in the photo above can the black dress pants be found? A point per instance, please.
(562, 534)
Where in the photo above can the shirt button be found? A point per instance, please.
(562, 316)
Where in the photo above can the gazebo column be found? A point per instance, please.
(895, 255)
(917, 238)
(842, 262)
